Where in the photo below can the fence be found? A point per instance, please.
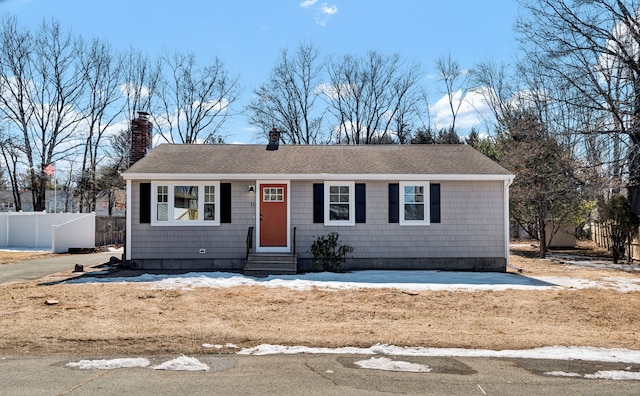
(110, 230)
(48, 231)
(601, 236)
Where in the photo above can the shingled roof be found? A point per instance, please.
(292, 160)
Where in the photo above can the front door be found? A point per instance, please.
(273, 215)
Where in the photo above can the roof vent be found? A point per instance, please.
(274, 139)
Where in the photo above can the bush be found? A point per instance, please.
(328, 253)
(621, 222)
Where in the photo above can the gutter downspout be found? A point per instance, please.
(127, 246)
(507, 183)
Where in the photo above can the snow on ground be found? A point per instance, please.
(387, 364)
(218, 346)
(552, 353)
(611, 374)
(109, 364)
(403, 280)
(183, 363)
(25, 249)
(590, 262)
(377, 362)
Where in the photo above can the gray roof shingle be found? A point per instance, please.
(182, 159)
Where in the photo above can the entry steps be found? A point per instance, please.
(263, 264)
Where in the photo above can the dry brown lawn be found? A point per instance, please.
(15, 257)
(129, 319)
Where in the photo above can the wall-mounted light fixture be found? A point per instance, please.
(252, 188)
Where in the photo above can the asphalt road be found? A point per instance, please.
(36, 269)
(308, 375)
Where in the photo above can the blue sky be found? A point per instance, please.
(247, 35)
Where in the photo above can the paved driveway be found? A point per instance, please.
(36, 269)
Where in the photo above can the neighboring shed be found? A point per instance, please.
(247, 207)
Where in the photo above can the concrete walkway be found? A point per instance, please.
(39, 268)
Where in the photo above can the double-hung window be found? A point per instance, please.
(339, 203)
(180, 203)
(414, 203)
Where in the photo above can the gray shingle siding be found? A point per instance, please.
(471, 212)
(472, 227)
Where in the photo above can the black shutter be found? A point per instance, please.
(434, 194)
(225, 202)
(318, 203)
(361, 203)
(145, 203)
(394, 203)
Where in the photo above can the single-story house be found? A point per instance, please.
(247, 207)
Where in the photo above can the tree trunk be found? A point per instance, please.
(543, 238)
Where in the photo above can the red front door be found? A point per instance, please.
(273, 215)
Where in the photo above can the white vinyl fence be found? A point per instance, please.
(47, 231)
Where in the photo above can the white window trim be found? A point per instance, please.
(427, 204)
(352, 203)
(171, 222)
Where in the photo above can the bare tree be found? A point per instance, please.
(141, 76)
(366, 96)
(56, 98)
(288, 100)
(41, 92)
(195, 101)
(591, 48)
(456, 84)
(101, 71)
(11, 155)
(495, 85)
(15, 76)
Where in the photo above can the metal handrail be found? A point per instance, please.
(249, 241)
(294, 240)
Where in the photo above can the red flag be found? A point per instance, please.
(50, 169)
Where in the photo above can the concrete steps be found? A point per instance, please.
(263, 264)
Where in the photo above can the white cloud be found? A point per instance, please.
(474, 111)
(333, 91)
(322, 11)
(328, 10)
(308, 3)
(130, 89)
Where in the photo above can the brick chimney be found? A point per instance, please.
(141, 134)
(274, 139)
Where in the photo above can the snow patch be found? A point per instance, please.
(554, 353)
(219, 346)
(387, 364)
(109, 364)
(562, 374)
(615, 375)
(183, 363)
(611, 375)
(400, 280)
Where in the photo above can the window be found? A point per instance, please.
(209, 203)
(339, 203)
(186, 204)
(413, 206)
(273, 194)
(162, 212)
